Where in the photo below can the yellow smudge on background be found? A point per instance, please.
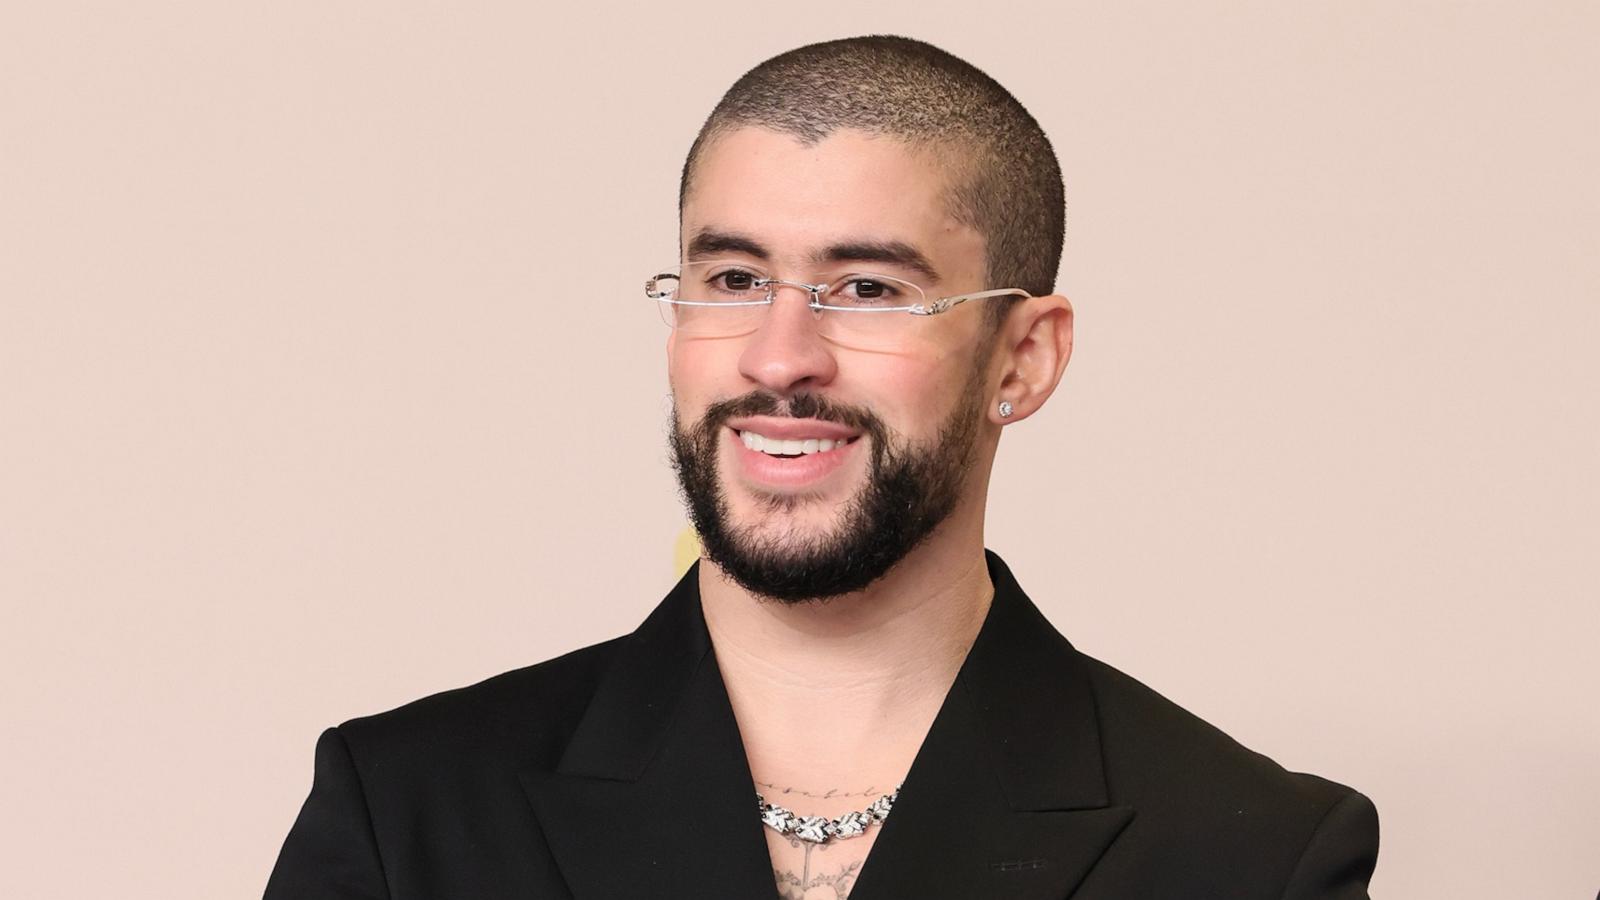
(685, 550)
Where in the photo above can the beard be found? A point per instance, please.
(911, 488)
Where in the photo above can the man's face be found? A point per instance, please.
(903, 416)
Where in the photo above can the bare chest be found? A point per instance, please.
(807, 871)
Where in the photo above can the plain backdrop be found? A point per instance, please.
(327, 382)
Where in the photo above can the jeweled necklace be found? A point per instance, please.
(821, 829)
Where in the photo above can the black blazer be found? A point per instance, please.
(617, 771)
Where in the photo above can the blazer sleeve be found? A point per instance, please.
(331, 853)
(1337, 862)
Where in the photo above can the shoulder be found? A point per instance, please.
(1199, 792)
(515, 717)
(1150, 742)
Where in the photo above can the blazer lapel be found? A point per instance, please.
(653, 795)
(1007, 796)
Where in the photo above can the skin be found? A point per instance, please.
(833, 699)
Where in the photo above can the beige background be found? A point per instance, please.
(326, 382)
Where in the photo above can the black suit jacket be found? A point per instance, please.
(617, 771)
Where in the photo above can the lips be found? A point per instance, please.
(800, 459)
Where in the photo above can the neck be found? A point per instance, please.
(844, 689)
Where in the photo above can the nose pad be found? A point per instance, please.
(815, 302)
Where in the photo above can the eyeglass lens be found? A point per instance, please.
(727, 299)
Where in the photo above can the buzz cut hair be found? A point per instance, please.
(1005, 182)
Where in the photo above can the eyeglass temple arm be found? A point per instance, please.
(945, 304)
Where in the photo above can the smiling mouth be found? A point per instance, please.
(791, 448)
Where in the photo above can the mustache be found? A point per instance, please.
(797, 406)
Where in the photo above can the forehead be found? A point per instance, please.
(850, 186)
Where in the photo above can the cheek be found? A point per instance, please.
(699, 370)
(929, 385)
(913, 394)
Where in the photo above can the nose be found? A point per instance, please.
(787, 353)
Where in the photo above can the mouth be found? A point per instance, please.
(788, 455)
(791, 447)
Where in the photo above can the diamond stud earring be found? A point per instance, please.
(1005, 409)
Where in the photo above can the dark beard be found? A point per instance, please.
(910, 489)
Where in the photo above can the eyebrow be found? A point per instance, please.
(709, 242)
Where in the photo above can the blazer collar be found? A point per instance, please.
(1006, 797)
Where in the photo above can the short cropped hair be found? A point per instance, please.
(1006, 182)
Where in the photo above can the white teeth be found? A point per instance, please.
(777, 447)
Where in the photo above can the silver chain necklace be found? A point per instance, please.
(821, 829)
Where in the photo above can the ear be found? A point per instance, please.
(1034, 345)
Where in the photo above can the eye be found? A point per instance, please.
(870, 290)
(732, 281)
(867, 290)
(735, 280)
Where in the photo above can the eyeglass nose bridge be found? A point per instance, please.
(815, 290)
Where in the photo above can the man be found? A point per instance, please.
(846, 696)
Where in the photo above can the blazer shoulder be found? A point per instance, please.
(525, 712)
(1155, 748)
(1227, 820)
